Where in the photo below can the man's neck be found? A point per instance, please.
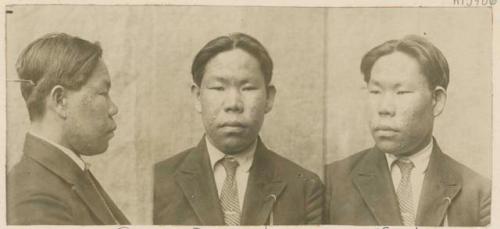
(245, 149)
(49, 132)
(245, 157)
(423, 144)
(52, 139)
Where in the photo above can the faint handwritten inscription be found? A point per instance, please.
(472, 3)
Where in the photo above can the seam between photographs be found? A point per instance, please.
(325, 91)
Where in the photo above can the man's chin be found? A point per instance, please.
(388, 147)
(94, 151)
(234, 146)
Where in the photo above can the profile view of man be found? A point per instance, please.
(65, 84)
(230, 177)
(405, 179)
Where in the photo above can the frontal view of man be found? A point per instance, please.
(405, 179)
(230, 177)
(65, 84)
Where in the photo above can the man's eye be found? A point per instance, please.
(374, 92)
(403, 92)
(217, 88)
(249, 88)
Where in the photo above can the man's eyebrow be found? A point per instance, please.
(374, 82)
(378, 84)
(221, 79)
(247, 81)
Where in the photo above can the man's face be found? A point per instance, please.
(401, 105)
(233, 100)
(89, 123)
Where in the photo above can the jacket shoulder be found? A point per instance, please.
(169, 165)
(37, 196)
(288, 167)
(30, 175)
(468, 177)
(346, 165)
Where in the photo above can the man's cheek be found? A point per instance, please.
(86, 99)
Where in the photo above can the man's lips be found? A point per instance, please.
(113, 128)
(385, 130)
(111, 131)
(233, 127)
(233, 124)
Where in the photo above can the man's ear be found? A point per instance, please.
(57, 101)
(271, 93)
(438, 100)
(195, 92)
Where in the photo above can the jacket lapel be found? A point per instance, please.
(89, 195)
(374, 183)
(117, 213)
(61, 165)
(196, 179)
(439, 188)
(263, 189)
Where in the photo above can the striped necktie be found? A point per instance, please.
(404, 192)
(229, 194)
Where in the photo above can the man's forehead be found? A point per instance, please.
(396, 67)
(226, 76)
(233, 65)
(232, 59)
(396, 62)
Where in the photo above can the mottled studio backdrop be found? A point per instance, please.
(318, 115)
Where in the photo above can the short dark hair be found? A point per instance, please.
(54, 59)
(432, 62)
(230, 42)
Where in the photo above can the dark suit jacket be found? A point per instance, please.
(360, 192)
(48, 188)
(185, 192)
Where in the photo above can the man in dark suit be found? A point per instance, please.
(230, 177)
(65, 85)
(405, 179)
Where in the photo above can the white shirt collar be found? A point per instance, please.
(245, 158)
(78, 160)
(420, 159)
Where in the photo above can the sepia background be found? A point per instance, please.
(319, 113)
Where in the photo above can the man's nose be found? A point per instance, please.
(233, 101)
(386, 106)
(113, 109)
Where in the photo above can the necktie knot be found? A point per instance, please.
(230, 164)
(405, 166)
